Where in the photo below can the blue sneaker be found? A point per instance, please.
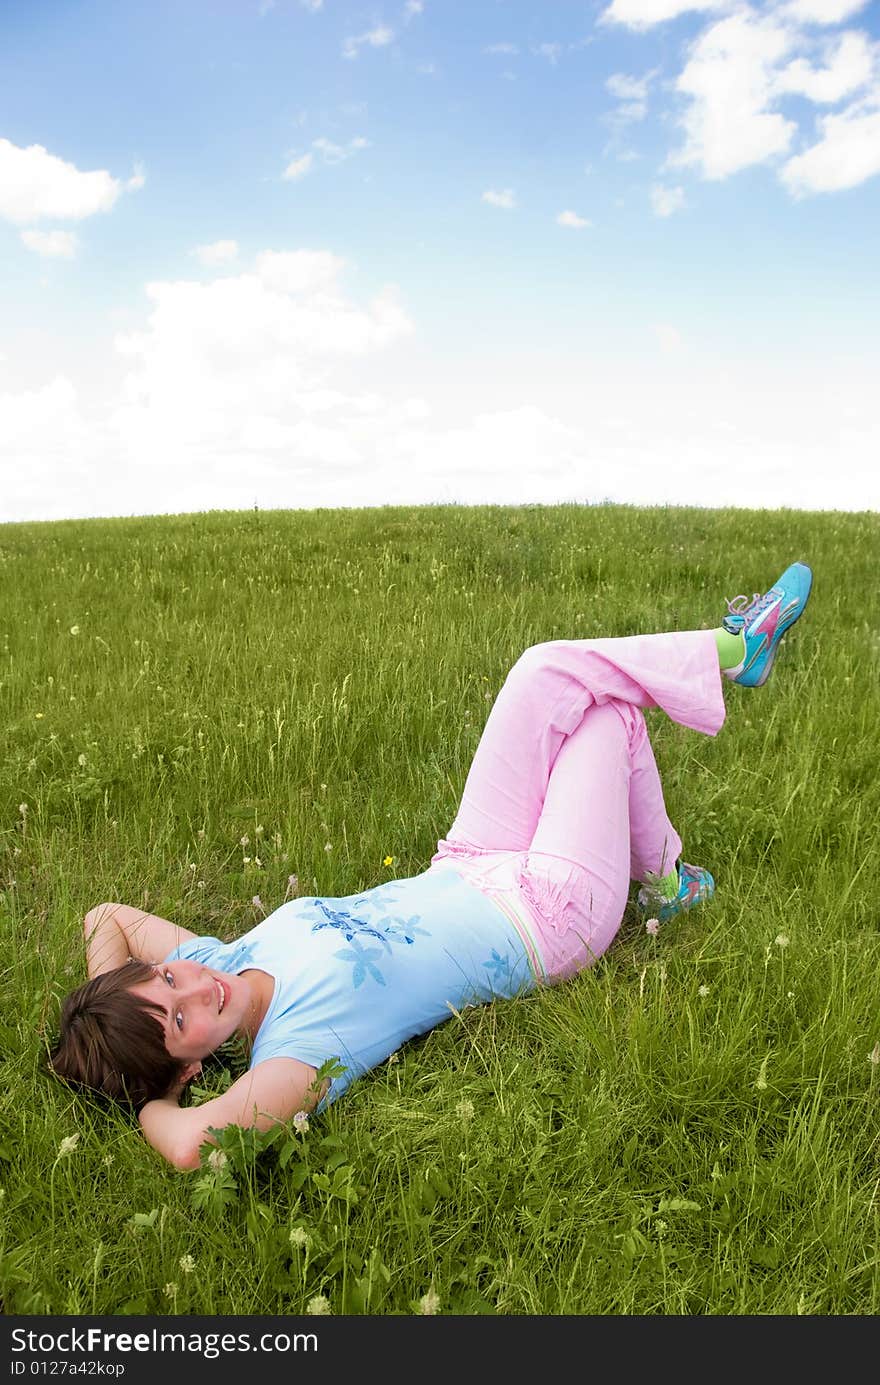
(764, 621)
(694, 885)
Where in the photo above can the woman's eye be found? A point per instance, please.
(169, 978)
(178, 1019)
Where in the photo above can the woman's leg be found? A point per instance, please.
(543, 702)
(552, 685)
(603, 823)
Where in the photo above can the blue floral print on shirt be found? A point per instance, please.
(498, 967)
(363, 963)
(348, 924)
(385, 931)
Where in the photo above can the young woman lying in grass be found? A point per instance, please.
(562, 808)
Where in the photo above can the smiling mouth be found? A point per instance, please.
(221, 989)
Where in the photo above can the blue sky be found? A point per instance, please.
(309, 253)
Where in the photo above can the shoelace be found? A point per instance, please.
(758, 602)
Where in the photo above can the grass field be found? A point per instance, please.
(195, 708)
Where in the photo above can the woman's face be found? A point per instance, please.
(201, 1008)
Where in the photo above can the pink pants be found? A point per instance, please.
(563, 805)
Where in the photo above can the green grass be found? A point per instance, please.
(691, 1127)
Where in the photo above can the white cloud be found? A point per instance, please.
(632, 93)
(216, 356)
(330, 153)
(665, 200)
(577, 223)
(550, 51)
(509, 48)
(337, 153)
(503, 197)
(738, 71)
(821, 11)
(730, 77)
(46, 452)
(298, 168)
(246, 387)
(627, 88)
(52, 245)
(643, 14)
(850, 65)
(218, 252)
(36, 185)
(23, 415)
(412, 8)
(379, 37)
(847, 154)
(137, 179)
(313, 5)
(242, 428)
(300, 273)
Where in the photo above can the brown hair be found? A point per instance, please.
(113, 1041)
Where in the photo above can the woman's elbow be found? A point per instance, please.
(182, 1155)
(185, 1158)
(179, 1147)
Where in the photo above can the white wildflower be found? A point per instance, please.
(187, 1264)
(217, 1160)
(68, 1145)
(301, 1122)
(300, 1237)
(429, 1303)
(319, 1306)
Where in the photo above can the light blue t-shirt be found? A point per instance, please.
(356, 977)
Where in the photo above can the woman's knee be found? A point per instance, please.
(535, 663)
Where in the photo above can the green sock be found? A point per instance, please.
(667, 885)
(731, 648)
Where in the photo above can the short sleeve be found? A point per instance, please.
(205, 950)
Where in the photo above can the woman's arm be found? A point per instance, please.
(271, 1092)
(115, 932)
